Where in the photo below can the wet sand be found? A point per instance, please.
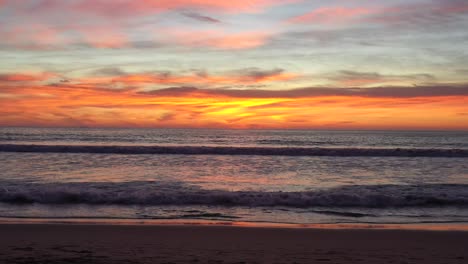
(96, 243)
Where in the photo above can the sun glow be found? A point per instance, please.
(52, 106)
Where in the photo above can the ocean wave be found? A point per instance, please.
(157, 193)
(221, 150)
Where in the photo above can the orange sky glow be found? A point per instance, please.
(196, 108)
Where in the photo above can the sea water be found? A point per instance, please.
(276, 176)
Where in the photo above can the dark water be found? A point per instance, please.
(254, 175)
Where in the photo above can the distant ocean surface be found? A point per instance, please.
(275, 176)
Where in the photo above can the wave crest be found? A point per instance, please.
(154, 193)
(220, 150)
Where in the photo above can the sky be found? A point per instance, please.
(245, 64)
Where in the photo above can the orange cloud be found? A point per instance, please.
(331, 15)
(25, 77)
(306, 108)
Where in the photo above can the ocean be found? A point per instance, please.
(261, 176)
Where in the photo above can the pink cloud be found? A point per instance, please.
(103, 37)
(332, 15)
(216, 39)
(87, 21)
(246, 76)
(33, 36)
(455, 8)
(412, 13)
(244, 40)
(119, 8)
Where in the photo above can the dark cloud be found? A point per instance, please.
(166, 117)
(172, 91)
(350, 76)
(11, 78)
(378, 92)
(324, 36)
(145, 44)
(110, 71)
(24, 77)
(200, 73)
(201, 18)
(163, 74)
(7, 77)
(257, 74)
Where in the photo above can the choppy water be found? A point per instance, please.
(243, 175)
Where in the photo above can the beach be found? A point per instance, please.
(104, 243)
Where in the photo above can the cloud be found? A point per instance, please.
(172, 91)
(45, 36)
(110, 71)
(25, 77)
(116, 80)
(409, 14)
(461, 71)
(52, 24)
(354, 78)
(104, 37)
(166, 117)
(378, 92)
(432, 12)
(428, 107)
(327, 15)
(31, 36)
(201, 18)
(115, 36)
(130, 7)
(258, 75)
(217, 39)
(243, 76)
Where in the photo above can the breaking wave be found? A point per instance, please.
(219, 150)
(157, 193)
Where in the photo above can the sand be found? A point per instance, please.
(84, 243)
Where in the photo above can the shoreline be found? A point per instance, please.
(443, 226)
(93, 243)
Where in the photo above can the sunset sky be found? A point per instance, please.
(298, 64)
